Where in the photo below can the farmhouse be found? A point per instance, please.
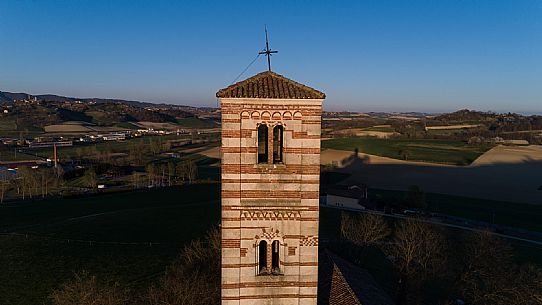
(115, 137)
(40, 144)
(352, 197)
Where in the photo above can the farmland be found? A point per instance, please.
(511, 214)
(437, 151)
(129, 238)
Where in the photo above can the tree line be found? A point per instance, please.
(169, 173)
(476, 267)
(31, 183)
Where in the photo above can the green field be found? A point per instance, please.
(7, 125)
(379, 128)
(438, 151)
(9, 155)
(95, 234)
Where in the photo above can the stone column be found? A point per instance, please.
(269, 256)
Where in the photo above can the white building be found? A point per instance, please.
(352, 197)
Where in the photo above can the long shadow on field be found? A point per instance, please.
(513, 182)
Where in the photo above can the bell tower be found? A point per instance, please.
(270, 191)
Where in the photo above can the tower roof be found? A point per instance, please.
(269, 84)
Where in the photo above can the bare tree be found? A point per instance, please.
(135, 179)
(163, 168)
(5, 184)
(191, 171)
(490, 276)
(90, 178)
(418, 249)
(151, 173)
(25, 181)
(170, 171)
(84, 290)
(404, 153)
(364, 229)
(155, 146)
(180, 170)
(194, 279)
(529, 285)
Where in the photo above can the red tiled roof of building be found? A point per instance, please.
(342, 283)
(269, 85)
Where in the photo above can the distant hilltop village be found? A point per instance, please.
(44, 120)
(28, 116)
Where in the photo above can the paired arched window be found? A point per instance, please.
(262, 144)
(262, 257)
(277, 143)
(272, 256)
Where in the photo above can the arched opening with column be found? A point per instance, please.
(262, 257)
(263, 144)
(275, 257)
(278, 143)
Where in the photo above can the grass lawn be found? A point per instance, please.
(34, 265)
(438, 151)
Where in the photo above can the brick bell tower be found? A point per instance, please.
(270, 191)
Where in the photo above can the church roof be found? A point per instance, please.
(269, 84)
(342, 283)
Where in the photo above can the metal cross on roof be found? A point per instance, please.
(267, 51)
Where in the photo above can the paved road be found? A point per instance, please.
(467, 225)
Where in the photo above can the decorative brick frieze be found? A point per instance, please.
(308, 241)
(270, 215)
(270, 194)
(287, 169)
(270, 284)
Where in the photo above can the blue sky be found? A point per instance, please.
(383, 55)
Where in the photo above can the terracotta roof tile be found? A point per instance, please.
(269, 85)
(342, 283)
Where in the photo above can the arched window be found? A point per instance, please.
(262, 257)
(275, 257)
(277, 144)
(262, 144)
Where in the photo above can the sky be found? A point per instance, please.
(380, 55)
